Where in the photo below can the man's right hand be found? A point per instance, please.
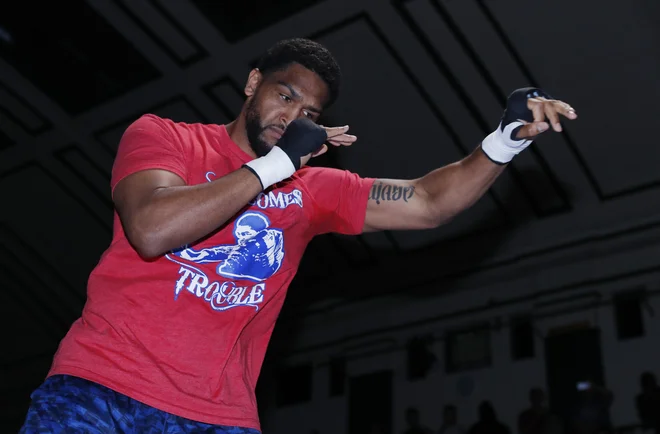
(302, 140)
(336, 136)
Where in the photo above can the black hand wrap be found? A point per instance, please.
(516, 107)
(302, 137)
(501, 146)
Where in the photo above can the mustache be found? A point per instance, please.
(280, 128)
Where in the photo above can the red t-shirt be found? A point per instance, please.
(187, 333)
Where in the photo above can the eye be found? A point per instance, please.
(308, 114)
(286, 98)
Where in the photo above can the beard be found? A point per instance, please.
(255, 129)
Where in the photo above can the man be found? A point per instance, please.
(181, 306)
(488, 422)
(592, 412)
(647, 402)
(450, 423)
(537, 419)
(414, 424)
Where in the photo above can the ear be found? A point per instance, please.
(254, 79)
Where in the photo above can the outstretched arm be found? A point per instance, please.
(437, 197)
(432, 200)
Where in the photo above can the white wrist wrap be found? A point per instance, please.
(499, 146)
(272, 167)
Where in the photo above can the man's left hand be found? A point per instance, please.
(543, 108)
(523, 120)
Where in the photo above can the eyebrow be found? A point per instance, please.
(296, 95)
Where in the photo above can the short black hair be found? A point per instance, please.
(307, 53)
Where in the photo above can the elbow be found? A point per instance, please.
(146, 234)
(437, 210)
(148, 251)
(436, 217)
(449, 215)
(437, 221)
(146, 242)
(427, 221)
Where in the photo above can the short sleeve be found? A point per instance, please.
(148, 143)
(340, 199)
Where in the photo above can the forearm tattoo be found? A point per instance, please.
(386, 192)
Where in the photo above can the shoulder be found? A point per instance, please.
(155, 123)
(310, 172)
(326, 182)
(149, 120)
(327, 176)
(148, 126)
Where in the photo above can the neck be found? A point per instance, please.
(238, 133)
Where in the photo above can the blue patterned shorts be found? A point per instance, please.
(66, 404)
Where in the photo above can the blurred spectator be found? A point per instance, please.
(592, 415)
(414, 425)
(648, 403)
(533, 420)
(377, 428)
(488, 423)
(450, 421)
(538, 419)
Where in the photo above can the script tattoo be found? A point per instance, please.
(387, 192)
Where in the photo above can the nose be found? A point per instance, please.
(289, 116)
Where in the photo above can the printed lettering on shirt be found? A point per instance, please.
(271, 199)
(256, 254)
(220, 296)
(278, 200)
